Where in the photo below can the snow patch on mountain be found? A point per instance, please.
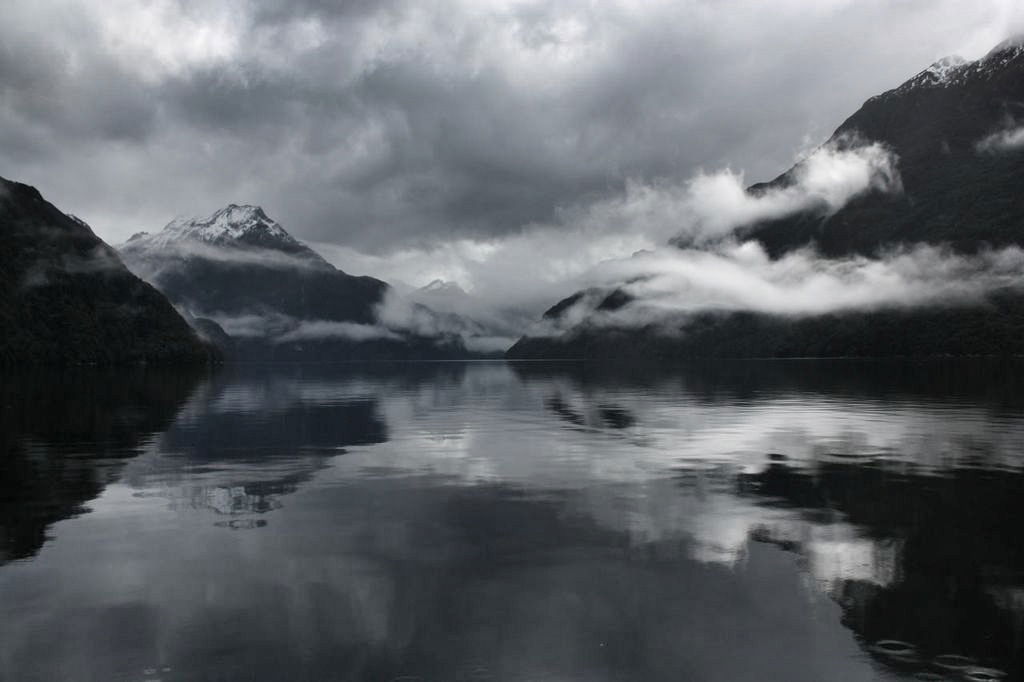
(235, 231)
(955, 70)
(233, 225)
(79, 221)
(943, 71)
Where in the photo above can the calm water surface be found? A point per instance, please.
(489, 521)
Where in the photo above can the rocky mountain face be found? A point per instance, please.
(957, 132)
(67, 298)
(259, 293)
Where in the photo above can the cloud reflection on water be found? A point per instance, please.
(534, 520)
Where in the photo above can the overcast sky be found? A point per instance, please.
(402, 124)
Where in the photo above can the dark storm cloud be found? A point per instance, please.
(274, 12)
(40, 86)
(383, 125)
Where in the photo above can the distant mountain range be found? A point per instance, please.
(66, 297)
(957, 132)
(236, 284)
(238, 276)
(232, 285)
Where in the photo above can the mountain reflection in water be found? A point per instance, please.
(733, 521)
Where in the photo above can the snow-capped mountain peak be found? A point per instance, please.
(942, 70)
(233, 223)
(234, 226)
(942, 73)
(955, 70)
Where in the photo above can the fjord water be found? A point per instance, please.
(533, 521)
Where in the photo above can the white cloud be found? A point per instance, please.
(150, 260)
(164, 38)
(278, 328)
(714, 205)
(249, 326)
(512, 279)
(1011, 139)
(740, 276)
(395, 125)
(319, 330)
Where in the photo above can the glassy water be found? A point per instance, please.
(490, 521)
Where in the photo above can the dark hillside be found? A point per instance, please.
(66, 298)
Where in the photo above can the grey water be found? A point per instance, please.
(514, 521)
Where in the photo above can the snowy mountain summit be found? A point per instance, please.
(941, 72)
(956, 70)
(242, 226)
(230, 224)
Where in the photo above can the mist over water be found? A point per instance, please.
(733, 521)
